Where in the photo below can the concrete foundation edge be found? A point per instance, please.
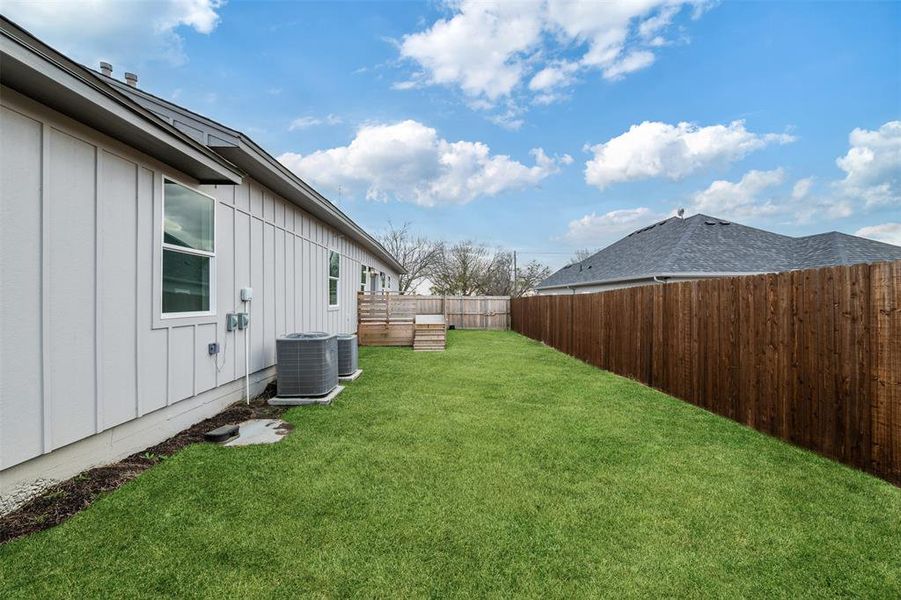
(24, 481)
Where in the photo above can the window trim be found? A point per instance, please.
(364, 278)
(182, 249)
(328, 280)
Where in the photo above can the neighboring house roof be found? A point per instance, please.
(702, 246)
(37, 71)
(240, 149)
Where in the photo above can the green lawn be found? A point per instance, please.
(498, 468)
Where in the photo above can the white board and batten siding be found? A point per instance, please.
(84, 348)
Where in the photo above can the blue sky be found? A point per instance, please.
(779, 115)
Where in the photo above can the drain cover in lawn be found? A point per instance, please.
(260, 431)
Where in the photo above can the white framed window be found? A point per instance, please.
(389, 282)
(364, 277)
(334, 277)
(188, 251)
(382, 281)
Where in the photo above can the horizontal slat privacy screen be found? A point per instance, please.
(461, 312)
(812, 357)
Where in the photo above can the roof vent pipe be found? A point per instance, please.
(131, 79)
(106, 68)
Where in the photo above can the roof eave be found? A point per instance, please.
(39, 72)
(264, 168)
(690, 275)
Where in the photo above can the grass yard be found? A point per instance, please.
(498, 468)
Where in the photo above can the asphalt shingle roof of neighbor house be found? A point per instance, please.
(703, 245)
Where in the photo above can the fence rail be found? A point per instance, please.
(812, 357)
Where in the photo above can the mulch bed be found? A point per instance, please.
(59, 502)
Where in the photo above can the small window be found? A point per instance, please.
(364, 276)
(382, 281)
(334, 273)
(188, 250)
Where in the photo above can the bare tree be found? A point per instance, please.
(580, 255)
(468, 268)
(529, 276)
(459, 269)
(497, 278)
(417, 254)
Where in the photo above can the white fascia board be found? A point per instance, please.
(34, 74)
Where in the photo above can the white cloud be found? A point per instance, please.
(890, 233)
(479, 49)
(654, 149)
(490, 48)
(802, 188)
(405, 85)
(634, 61)
(872, 165)
(741, 198)
(125, 34)
(595, 229)
(510, 119)
(553, 76)
(759, 194)
(308, 121)
(408, 161)
(650, 27)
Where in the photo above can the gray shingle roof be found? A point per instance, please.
(708, 245)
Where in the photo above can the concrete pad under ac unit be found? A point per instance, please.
(352, 377)
(298, 401)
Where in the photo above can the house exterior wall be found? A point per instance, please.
(85, 350)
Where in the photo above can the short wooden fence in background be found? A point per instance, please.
(386, 318)
(812, 357)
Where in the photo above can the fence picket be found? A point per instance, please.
(812, 357)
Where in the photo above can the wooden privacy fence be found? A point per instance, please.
(386, 318)
(812, 357)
